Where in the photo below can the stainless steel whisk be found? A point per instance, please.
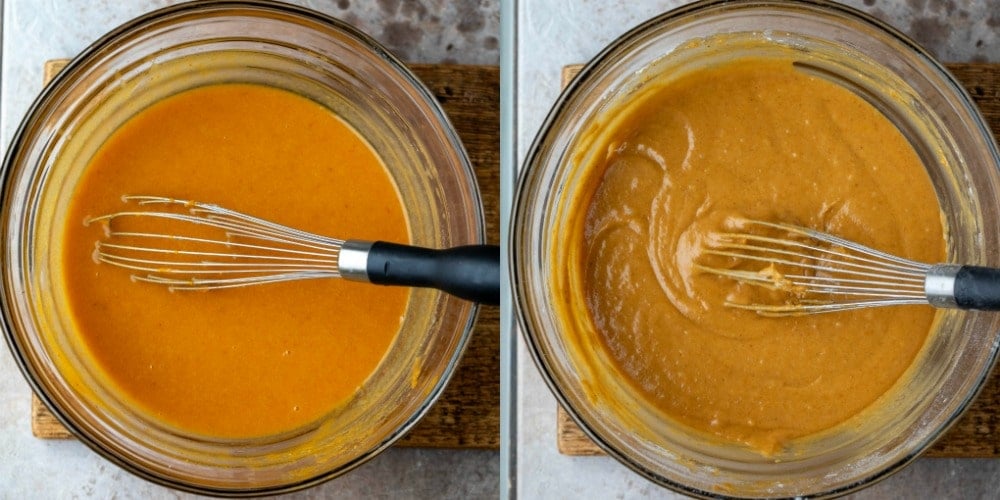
(251, 251)
(825, 273)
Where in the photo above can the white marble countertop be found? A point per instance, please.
(428, 31)
(553, 33)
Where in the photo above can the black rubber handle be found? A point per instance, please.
(978, 288)
(469, 272)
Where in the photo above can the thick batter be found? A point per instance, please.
(756, 139)
(243, 362)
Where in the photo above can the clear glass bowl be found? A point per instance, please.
(198, 44)
(852, 50)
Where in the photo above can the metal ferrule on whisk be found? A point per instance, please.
(940, 285)
(353, 260)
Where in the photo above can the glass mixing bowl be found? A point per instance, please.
(850, 49)
(198, 44)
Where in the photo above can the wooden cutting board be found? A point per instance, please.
(977, 433)
(468, 413)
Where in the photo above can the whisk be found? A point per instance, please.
(825, 273)
(242, 250)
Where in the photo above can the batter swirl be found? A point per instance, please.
(756, 139)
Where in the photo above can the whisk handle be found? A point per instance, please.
(469, 272)
(977, 288)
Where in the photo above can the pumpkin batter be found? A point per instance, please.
(243, 362)
(747, 139)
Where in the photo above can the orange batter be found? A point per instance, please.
(240, 362)
(690, 156)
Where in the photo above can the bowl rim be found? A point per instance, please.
(378, 51)
(527, 171)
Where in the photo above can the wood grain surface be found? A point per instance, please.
(468, 413)
(977, 433)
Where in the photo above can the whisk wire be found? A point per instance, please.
(803, 309)
(842, 259)
(832, 269)
(841, 242)
(309, 256)
(153, 265)
(249, 228)
(216, 284)
(271, 252)
(842, 286)
(186, 245)
(847, 269)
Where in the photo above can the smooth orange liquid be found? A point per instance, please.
(251, 361)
